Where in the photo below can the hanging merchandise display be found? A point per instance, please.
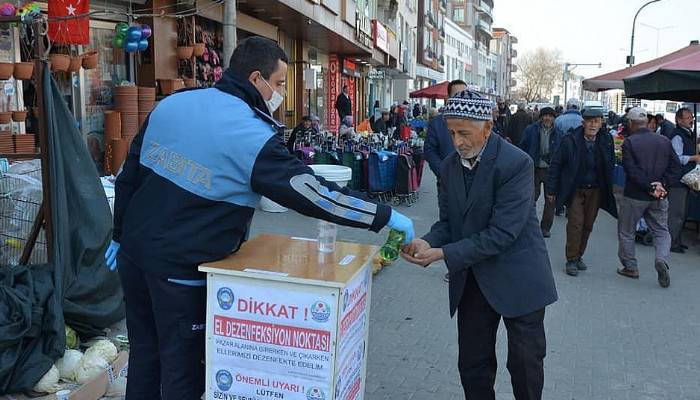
(209, 64)
(29, 11)
(131, 38)
(66, 22)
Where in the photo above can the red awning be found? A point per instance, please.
(438, 91)
(614, 80)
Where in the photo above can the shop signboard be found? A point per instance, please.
(333, 91)
(381, 36)
(363, 29)
(350, 69)
(376, 74)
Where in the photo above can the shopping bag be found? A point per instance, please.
(692, 179)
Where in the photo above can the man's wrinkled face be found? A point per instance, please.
(686, 120)
(469, 136)
(591, 126)
(547, 120)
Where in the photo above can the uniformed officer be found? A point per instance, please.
(186, 196)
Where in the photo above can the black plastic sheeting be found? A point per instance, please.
(76, 288)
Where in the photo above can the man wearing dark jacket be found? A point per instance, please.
(343, 103)
(517, 124)
(183, 200)
(540, 140)
(666, 127)
(490, 240)
(438, 143)
(650, 166)
(683, 141)
(580, 177)
(502, 116)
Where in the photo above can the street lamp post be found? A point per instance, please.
(630, 58)
(566, 75)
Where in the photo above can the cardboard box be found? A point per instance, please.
(91, 390)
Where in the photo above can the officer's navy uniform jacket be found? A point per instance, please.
(196, 171)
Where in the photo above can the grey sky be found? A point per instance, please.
(593, 31)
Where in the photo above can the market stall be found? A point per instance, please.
(287, 321)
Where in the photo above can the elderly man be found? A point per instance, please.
(540, 140)
(489, 237)
(571, 119)
(650, 166)
(683, 141)
(580, 177)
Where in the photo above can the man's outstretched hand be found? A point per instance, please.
(420, 253)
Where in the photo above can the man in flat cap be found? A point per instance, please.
(490, 239)
(580, 178)
(540, 139)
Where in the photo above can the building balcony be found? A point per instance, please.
(513, 40)
(484, 9)
(513, 83)
(513, 53)
(513, 68)
(484, 27)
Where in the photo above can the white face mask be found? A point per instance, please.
(275, 101)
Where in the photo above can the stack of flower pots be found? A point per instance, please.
(6, 143)
(25, 143)
(147, 100)
(120, 148)
(126, 102)
(113, 131)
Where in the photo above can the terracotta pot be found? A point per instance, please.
(23, 70)
(90, 59)
(198, 49)
(169, 86)
(75, 64)
(184, 52)
(19, 116)
(6, 70)
(59, 62)
(190, 83)
(112, 125)
(119, 150)
(5, 117)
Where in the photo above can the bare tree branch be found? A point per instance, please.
(539, 71)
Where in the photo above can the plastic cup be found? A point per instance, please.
(327, 232)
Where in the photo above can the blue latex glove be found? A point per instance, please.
(403, 224)
(111, 255)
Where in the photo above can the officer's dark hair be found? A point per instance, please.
(257, 54)
(454, 83)
(679, 113)
(659, 117)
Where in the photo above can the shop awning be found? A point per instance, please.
(677, 80)
(438, 91)
(614, 80)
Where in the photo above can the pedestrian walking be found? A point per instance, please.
(438, 142)
(571, 119)
(503, 115)
(489, 237)
(684, 144)
(343, 104)
(517, 124)
(183, 200)
(540, 140)
(650, 165)
(580, 177)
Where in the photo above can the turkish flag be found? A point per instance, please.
(69, 31)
